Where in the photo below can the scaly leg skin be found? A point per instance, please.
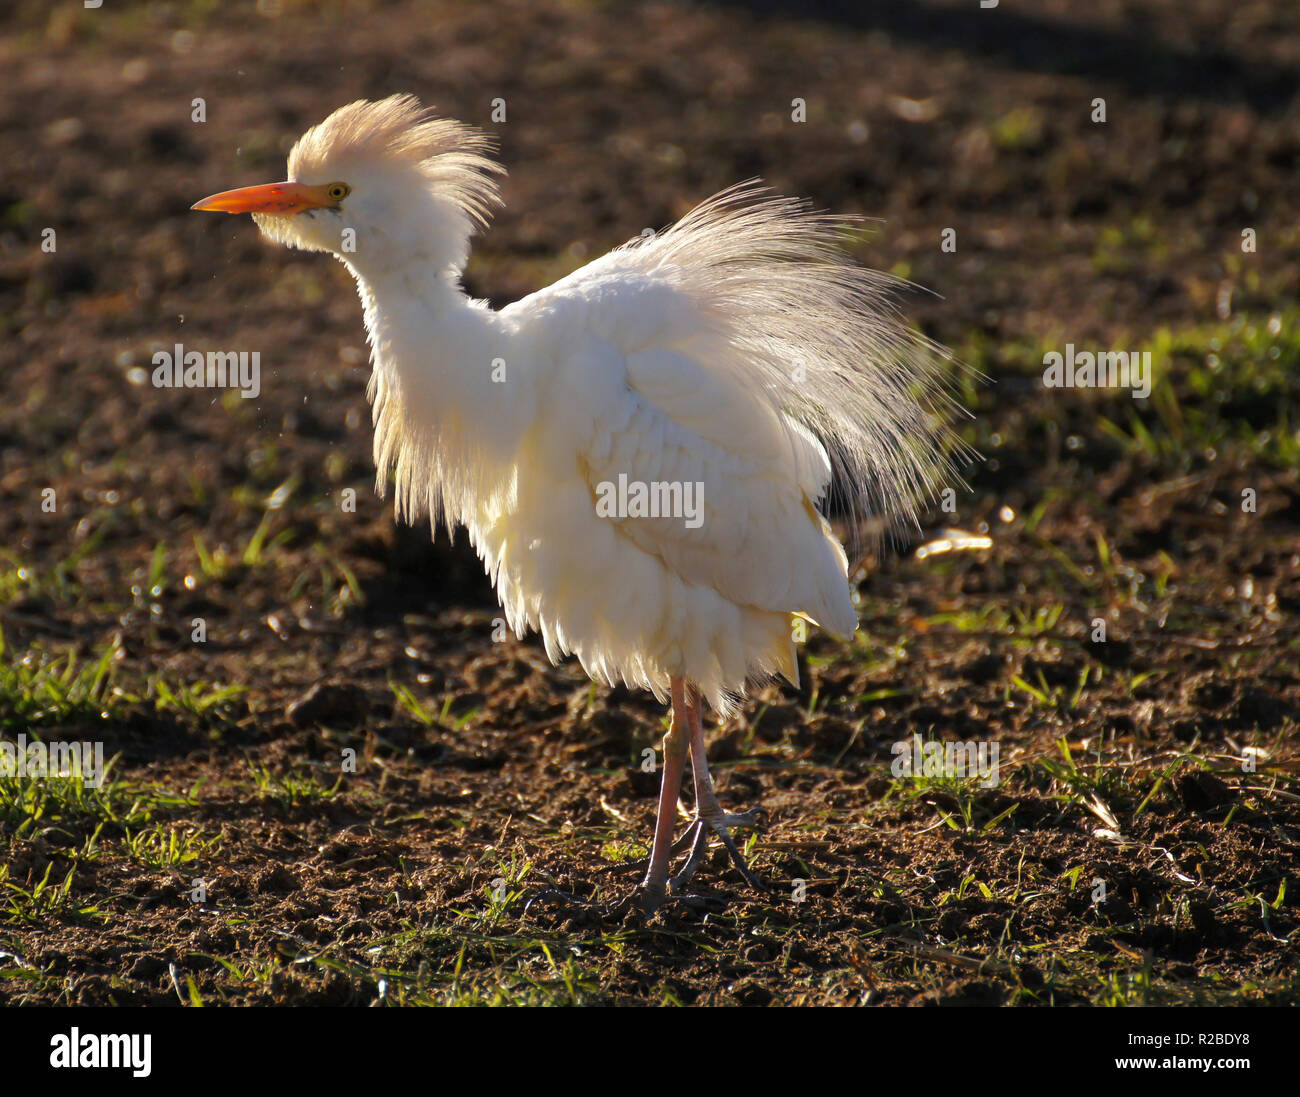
(709, 816)
(653, 890)
(654, 887)
(686, 732)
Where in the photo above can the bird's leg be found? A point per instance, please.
(709, 816)
(655, 885)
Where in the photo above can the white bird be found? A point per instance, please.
(638, 451)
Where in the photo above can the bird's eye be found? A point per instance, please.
(338, 191)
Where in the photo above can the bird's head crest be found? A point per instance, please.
(398, 132)
(379, 184)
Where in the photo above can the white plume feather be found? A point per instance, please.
(821, 338)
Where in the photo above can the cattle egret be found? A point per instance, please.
(639, 451)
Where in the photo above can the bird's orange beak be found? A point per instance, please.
(282, 198)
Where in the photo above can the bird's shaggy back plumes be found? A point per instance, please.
(822, 338)
(449, 154)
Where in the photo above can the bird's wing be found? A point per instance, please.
(736, 486)
(736, 351)
(730, 483)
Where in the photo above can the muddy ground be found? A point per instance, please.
(1143, 841)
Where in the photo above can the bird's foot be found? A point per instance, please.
(648, 900)
(717, 822)
(649, 897)
(643, 899)
(563, 899)
(696, 838)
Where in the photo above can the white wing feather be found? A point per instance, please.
(739, 346)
